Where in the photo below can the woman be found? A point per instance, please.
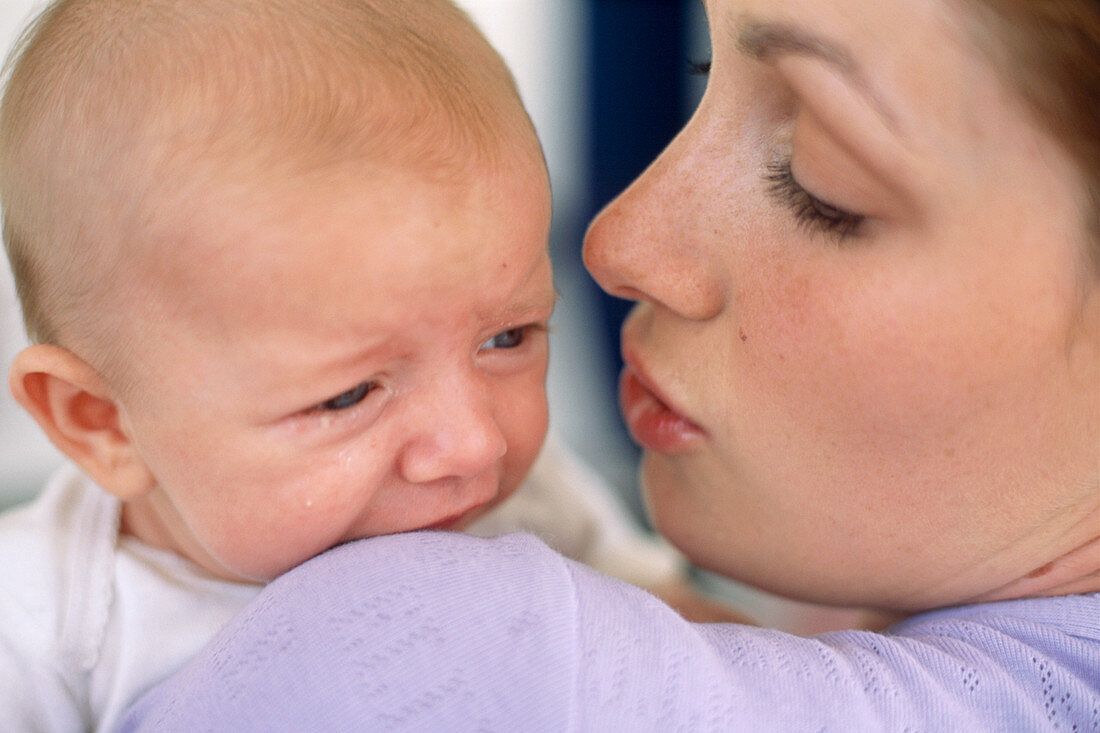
(865, 366)
(891, 271)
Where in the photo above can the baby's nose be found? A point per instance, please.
(461, 439)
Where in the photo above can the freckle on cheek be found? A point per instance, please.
(741, 333)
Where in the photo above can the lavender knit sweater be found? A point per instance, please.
(438, 631)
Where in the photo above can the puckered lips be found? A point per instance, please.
(655, 424)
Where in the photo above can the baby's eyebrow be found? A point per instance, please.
(542, 301)
(764, 40)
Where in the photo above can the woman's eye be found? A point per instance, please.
(699, 68)
(344, 400)
(810, 211)
(509, 339)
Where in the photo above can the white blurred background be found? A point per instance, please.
(25, 455)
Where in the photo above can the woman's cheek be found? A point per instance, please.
(844, 363)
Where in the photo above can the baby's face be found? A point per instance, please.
(326, 363)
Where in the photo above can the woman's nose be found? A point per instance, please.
(646, 244)
(458, 436)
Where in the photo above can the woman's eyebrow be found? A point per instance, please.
(765, 40)
(762, 40)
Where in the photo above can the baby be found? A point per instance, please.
(284, 266)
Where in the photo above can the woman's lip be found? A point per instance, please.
(655, 424)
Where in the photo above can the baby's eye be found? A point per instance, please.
(344, 400)
(509, 339)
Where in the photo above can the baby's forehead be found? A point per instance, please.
(161, 96)
(200, 198)
(276, 79)
(392, 250)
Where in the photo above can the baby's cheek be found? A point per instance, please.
(298, 511)
(525, 430)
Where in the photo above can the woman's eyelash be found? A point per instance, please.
(699, 68)
(810, 211)
(813, 213)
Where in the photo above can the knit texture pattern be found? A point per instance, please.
(440, 631)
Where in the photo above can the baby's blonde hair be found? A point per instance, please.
(108, 104)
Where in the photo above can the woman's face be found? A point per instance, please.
(864, 362)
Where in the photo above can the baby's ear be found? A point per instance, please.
(72, 404)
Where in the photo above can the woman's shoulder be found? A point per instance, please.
(430, 630)
(1071, 616)
(1039, 655)
(388, 633)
